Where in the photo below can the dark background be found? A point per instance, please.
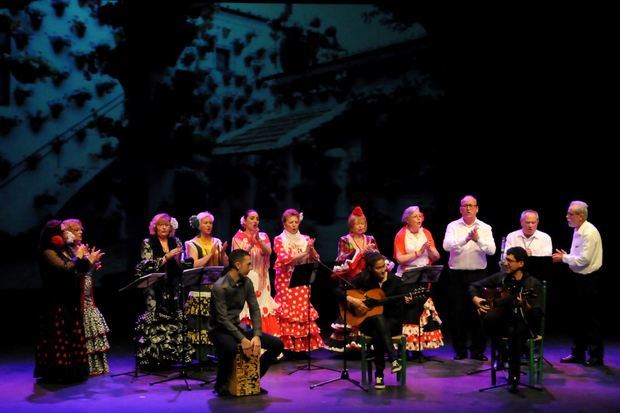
(526, 121)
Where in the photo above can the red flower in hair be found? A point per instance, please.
(357, 211)
(57, 241)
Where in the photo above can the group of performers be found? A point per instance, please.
(239, 308)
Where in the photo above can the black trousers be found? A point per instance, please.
(587, 334)
(226, 349)
(381, 329)
(464, 321)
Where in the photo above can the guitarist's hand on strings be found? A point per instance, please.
(482, 306)
(358, 304)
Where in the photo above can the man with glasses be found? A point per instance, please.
(584, 260)
(515, 314)
(469, 241)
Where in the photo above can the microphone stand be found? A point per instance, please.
(344, 373)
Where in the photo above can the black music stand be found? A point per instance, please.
(189, 277)
(142, 282)
(202, 276)
(423, 275)
(344, 373)
(305, 274)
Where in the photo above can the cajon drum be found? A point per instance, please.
(245, 376)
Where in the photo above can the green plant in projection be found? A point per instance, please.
(36, 17)
(36, 120)
(72, 175)
(59, 6)
(59, 43)
(80, 135)
(238, 47)
(21, 38)
(60, 77)
(28, 69)
(78, 27)
(21, 95)
(7, 123)
(44, 199)
(80, 97)
(32, 161)
(57, 145)
(56, 108)
(103, 88)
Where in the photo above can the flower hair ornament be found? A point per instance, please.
(301, 216)
(242, 221)
(357, 211)
(68, 236)
(57, 241)
(174, 223)
(194, 222)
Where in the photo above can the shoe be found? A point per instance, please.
(573, 359)
(263, 391)
(460, 356)
(379, 383)
(594, 362)
(396, 367)
(478, 356)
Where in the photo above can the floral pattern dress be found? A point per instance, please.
(352, 262)
(161, 328)
(199, 301)
(259, 275)
(293, 302)
(95, 330)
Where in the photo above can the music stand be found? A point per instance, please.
(305, 275)
(189, 277)
(344, 373)
(142, 282)
(423, 275)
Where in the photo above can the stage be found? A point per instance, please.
(437, 387)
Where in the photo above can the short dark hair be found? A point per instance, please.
(519, 253)
(372, 258)
(236, 256)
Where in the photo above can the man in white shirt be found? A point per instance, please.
(469, 241)
(584, 260)
(535, 242)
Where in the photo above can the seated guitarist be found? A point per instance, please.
(516, 314)
(383, 326)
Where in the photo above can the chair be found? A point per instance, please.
(400, 341)
(536, 346)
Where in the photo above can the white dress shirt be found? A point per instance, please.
(539, 243)
(468, 254)
(586, 251)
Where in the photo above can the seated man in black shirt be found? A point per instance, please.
(516, 313)
(380, 327)
(228, 296)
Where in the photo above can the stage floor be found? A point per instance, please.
(431, 386)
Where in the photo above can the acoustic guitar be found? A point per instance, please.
(374, 300)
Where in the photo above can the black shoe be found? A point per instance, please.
(460, 356)
(478, 356)
(263, 391)
(594, 362)
(573, 359)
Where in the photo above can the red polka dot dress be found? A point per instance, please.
(293, 302)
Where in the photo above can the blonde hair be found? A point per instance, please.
(158, 217)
